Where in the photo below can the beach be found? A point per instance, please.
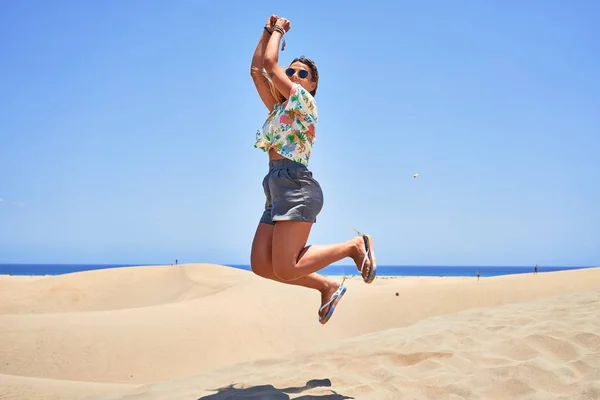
(203, 331)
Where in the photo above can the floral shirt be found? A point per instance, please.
(290, 127)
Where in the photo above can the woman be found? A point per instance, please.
(293, 197)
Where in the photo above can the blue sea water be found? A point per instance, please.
(437, 270)
(332, 270)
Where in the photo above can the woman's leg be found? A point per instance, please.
(294, 199)
(261, 264)
(292, 259)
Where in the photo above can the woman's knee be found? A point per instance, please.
(285, 273)
(262, 269)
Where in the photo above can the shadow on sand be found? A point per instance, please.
(269, 392)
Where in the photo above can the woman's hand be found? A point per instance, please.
(284, 23)
(271, 23)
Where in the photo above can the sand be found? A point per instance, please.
(201, 331)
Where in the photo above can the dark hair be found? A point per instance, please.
(314, 73)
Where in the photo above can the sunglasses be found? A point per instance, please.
(302, 73)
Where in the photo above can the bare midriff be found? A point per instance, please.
(273, 155)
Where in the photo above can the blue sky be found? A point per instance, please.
(127, 129)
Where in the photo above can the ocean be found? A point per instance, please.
(332, 270)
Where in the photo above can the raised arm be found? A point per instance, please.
(271, 58)
(257, 67)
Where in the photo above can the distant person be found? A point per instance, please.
(175, 261)
(293, 197)
(535, 269)
(478, 275)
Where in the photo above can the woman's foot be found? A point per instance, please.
(328, 307)
(326, 292)
(362, 259)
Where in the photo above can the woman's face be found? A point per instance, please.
(300, 73)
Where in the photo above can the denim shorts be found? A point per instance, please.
(292, 193)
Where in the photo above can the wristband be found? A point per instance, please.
(280, 30)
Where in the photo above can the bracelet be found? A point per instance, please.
(268, 31)
(280, 30)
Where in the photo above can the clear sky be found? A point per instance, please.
(127, 129)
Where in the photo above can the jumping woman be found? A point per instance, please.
(293, 197)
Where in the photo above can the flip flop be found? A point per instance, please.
(333, 301)
(370, 255)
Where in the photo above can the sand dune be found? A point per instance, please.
(548, 349)
(18, 387)
(112, 289)
(186, 328)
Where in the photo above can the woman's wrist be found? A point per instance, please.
(279, 29)
(267, 30)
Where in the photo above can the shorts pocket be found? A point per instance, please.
(299, 176)
(283, 180)
(293, 177)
